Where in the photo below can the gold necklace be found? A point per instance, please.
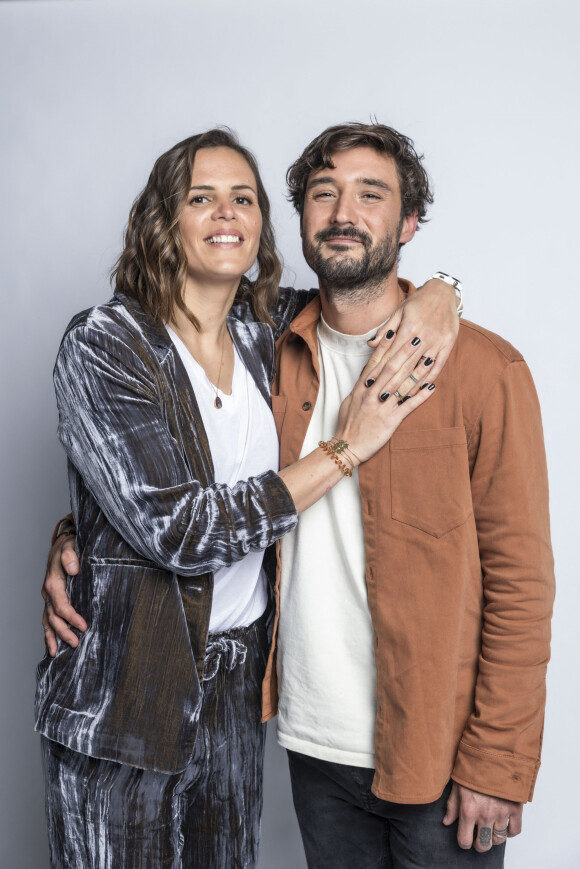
(217, 402)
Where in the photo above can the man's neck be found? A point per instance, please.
(357, 317)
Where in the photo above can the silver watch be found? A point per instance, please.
(453, 282)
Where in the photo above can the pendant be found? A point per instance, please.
(217, 402)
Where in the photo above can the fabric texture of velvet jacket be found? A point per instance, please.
(152, 527)
(459, 569)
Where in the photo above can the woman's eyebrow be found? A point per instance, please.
(233, 187)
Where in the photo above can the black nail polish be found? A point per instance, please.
(428, 361)
(384, 396)
(373, 338)
(370, 381)
(423, 386)
(431, 387)
(389, 335)
(416, 341)
(404, 398)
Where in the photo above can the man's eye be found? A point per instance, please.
(323, 194)
(370, 196)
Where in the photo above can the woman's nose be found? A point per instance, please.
(224, 209)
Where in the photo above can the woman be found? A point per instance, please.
(152, 742)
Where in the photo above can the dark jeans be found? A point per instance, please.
(344, 826)
(106, 815)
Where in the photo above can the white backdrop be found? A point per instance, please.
(92, 91)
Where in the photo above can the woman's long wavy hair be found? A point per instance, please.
(153, 266)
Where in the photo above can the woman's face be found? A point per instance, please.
(221, 222)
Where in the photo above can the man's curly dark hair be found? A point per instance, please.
(416, 193)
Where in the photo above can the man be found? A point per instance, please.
(414, 607)
(414, 618)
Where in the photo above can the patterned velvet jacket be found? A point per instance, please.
(152, 527)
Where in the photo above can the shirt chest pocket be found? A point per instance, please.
(430, 488)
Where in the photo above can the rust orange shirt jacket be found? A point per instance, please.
(459, 569)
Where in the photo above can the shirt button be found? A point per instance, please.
(307, 405)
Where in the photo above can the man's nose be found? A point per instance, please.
(344, 211)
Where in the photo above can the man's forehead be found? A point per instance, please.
(359, 164)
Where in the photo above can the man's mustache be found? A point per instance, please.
(347, 232)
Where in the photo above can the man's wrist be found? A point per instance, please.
(65, 527)
(456, 284)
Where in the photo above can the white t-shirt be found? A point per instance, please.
(243, 443)
(326, 668)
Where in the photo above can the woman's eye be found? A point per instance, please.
(243, 200)
(198, 200)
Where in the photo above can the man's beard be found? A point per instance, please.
(353, 278)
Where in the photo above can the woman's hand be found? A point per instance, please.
(370, 414)
(367, 418)
(58, 614)
(420, 335)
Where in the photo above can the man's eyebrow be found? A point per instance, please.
(375, 182)
(368, 182)
(234, 187)
(327, 179)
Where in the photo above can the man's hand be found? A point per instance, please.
(495, 819)
(58, 614)
(419, 335)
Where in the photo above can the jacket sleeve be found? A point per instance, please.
(289, 304)
(499, 753)
(112, 426)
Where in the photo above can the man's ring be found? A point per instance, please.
(500, 834)
(413, 378)
(46, 630)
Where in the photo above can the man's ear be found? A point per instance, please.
(409, 228)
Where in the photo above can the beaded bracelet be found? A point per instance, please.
(328, 449)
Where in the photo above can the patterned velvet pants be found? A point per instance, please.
(106, 815)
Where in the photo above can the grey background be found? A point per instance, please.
(93, 91)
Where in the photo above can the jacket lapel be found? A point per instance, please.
(179, 399)
(255, 344)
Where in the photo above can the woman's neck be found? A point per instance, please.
(210, 306)
(210, 344)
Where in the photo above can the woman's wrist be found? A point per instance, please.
(339, 450)
(457, 288)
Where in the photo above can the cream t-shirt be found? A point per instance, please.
(326, 667)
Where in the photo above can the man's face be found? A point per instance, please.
(352, 224)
